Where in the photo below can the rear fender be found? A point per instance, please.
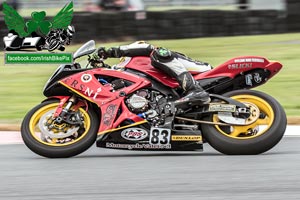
(274, 67)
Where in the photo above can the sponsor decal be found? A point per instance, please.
(134, 134)
(245, 63)
(137, 146)
(222, 107)
(248, 79)
(109, 114)
(186, 137)
(88, 92)
(83, 88)
(257, 60)
(75, 84)
(257, 78)
(86, 78)
(240, 66)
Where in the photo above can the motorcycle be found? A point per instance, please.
(131, 106)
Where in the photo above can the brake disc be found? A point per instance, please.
(53, 129)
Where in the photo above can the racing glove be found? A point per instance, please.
(113, 52)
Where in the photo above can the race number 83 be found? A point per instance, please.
(159, 136)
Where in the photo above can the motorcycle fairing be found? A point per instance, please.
(114, 112)
(101, 93)
(52, 87)
(143, 64)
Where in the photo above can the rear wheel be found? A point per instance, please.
(46, 137)
(263, 130)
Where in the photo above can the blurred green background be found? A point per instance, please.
(21, 85)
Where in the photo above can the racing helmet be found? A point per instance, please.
(161, 54)
(70, 30)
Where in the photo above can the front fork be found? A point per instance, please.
(64, 114)
(60, 108)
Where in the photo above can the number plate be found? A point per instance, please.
(159, 136)
(222, 107)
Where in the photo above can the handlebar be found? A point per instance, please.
(97, 62)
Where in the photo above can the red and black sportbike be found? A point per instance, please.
(130, 106)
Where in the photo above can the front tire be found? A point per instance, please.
(255, 138)
(60, 145)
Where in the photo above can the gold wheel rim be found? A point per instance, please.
(255, 129)
(34, 120)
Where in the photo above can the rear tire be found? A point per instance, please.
(54, 149)
(220, 138)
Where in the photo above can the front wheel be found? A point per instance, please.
(263, 130)
(48, 138)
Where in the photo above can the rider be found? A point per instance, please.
(170, 62)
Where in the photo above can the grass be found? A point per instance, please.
(21, 85)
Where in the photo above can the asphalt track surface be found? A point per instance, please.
(116, 174)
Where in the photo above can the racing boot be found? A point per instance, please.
(194, 92)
